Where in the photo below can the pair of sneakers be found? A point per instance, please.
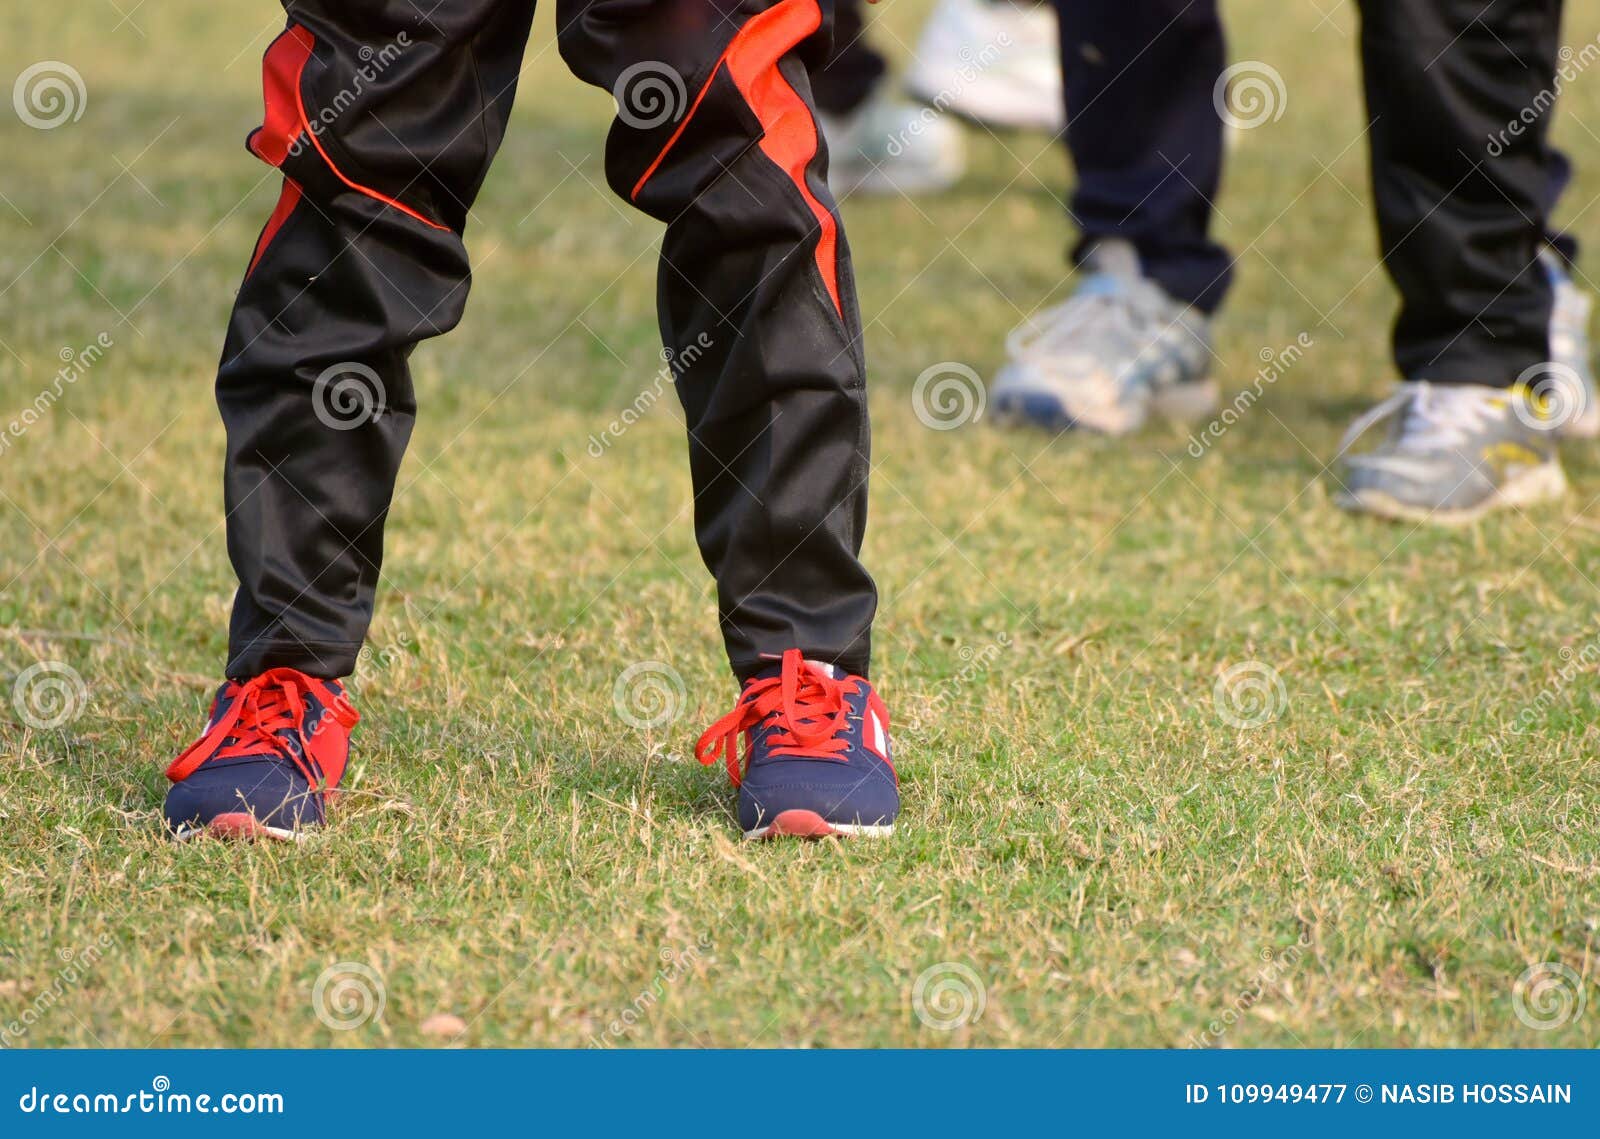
(1121, 350)
(806, 745)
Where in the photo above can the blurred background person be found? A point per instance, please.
(993, 62)
(1491, 338)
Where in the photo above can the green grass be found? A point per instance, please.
(1114, 862)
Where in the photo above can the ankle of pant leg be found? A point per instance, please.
(326, 660)
(850, 665)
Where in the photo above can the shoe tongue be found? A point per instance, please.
(1436, 399)
(776, 669)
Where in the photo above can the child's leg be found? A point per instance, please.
(383, 118)
(757, 303)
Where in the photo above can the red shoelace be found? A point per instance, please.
(805, 704)
(262, 708)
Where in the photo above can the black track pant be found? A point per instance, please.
(1462, 203)
(384, 116)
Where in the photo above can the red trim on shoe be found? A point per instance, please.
(243, 827)
(258, 710)
(281, 70)
(800, 824)
(789, 131)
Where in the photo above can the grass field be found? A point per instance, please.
(1093, 850)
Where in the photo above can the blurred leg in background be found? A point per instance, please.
(1146, 141)
(992, 62)
(1460, 95)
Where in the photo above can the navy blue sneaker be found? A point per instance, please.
(816, 754)
(273, 752)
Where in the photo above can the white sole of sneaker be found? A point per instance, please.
(1180, 403)
(1540, 484)
(1187, 402)
(809, 824)
(238, 827)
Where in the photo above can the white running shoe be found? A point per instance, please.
(1454, 452)
(1569, 347)
(890, 146)
(992, 61)
(1118, 350)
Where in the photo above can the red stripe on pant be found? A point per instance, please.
(287, 201)
(789, 133)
